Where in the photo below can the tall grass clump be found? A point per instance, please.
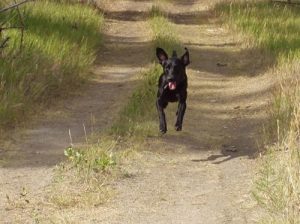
(138, 117)
(275, 29)
(277, 187)
(59, 46)
(284, 103)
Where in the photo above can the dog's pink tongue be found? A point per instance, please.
(172, 85)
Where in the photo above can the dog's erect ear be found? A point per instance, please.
(161, 55)
(185, 58)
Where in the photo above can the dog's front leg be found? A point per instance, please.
(180, 115)
(162, 116)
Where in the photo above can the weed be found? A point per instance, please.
(81, 180)
(92, 158)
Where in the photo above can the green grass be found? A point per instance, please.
(60, 44)
(164, 34)
(139, 117)
(275, 28)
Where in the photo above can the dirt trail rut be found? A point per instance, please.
(201, 175)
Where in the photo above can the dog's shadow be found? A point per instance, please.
(204, 151)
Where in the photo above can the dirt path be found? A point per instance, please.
(202, 175)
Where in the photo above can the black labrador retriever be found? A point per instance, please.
(172, 86)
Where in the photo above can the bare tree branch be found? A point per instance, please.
(3, 44)
(14, 6)
(10, 28)
(21, 27)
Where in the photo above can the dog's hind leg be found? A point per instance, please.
(180, 114)
(162, 117)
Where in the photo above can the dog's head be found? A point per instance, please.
(174, 67)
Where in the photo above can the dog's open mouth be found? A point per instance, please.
(172, 85)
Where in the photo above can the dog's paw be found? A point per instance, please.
(163, 131)
(163, 128)
(178, 128)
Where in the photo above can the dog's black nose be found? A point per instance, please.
(170, 79)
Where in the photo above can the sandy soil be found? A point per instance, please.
(201, 175)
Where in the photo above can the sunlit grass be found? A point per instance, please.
(274, 27)
(164, 34)
(60, 44)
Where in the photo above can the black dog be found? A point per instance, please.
(172, 86)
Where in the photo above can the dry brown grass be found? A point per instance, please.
(278, 184)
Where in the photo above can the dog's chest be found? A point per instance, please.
(170, 95)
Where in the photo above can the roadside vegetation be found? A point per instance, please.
(274, 28)
(59, 46)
